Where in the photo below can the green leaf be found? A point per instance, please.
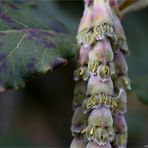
(31, 51)
(33, 40)
(30, 14)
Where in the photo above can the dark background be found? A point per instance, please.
(40, 114)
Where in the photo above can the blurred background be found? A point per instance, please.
(40, 114)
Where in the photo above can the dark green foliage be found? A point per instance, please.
(33, 40)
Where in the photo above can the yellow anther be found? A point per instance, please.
(93, 100)
(93, 66)
(91, 131)
(108, 28)
(104, 27)
(105, 71)
(109, 101)
(83, 131)
(81, 72)
(105, 100)
(97, 31)
(89, 103)
(126, 81)
(86, 37)
(122, 138)
(114, 104)
(111, 29)
(101, 98)
(89, 38)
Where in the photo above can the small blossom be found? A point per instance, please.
(79, 121)
(83, 57)
(121, 102)
(85, 23)
(96, 101)
(95, 145)
(122, 43)
(78, 142)
(92, 66)
(101, 12)
(100, 117)
(101, 136)
(102, 52)
(121, 139)
(86, 19)
(119, 123)
(81, 73)
(103, 31)
(96, 86)
(88, 39)
(120, 63)
(79, 93)
(105, 71)
(122, 82)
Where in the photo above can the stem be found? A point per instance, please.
(125, 4)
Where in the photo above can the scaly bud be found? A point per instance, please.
(78, 142)
(85, 23)
(102, 52)
(101, 12)
(83, 57)
(95, 145)
(79, 121)
(96, 86)
(79, 93)
(100, 117)
(81, 73)
(122, 43)
(120, 63)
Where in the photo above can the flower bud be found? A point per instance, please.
(90, 103)
(85, 23)
(121, 102)
(101, 12)
(96, 86)
(119, 123)
(83, 57)
(95, 145)
(79, 121)
(96, 101)
(102, 52)
(121, 140)
(101, 136)
(81, 73)
(122, 82)
(88, 38)
(88, 2)
(79, 93)
(105, 71)
(122, 43)
(78, 142)
(100, 117)
(120, 63)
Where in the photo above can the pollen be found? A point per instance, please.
(105, 71)
(92, 66)
(88, 39)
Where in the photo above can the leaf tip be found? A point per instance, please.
(59, 62)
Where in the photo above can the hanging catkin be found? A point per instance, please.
(101, 79)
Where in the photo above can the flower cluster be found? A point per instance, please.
(101, 79)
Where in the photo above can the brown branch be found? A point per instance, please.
(125, 4)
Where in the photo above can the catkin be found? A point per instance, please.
(101, 79)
